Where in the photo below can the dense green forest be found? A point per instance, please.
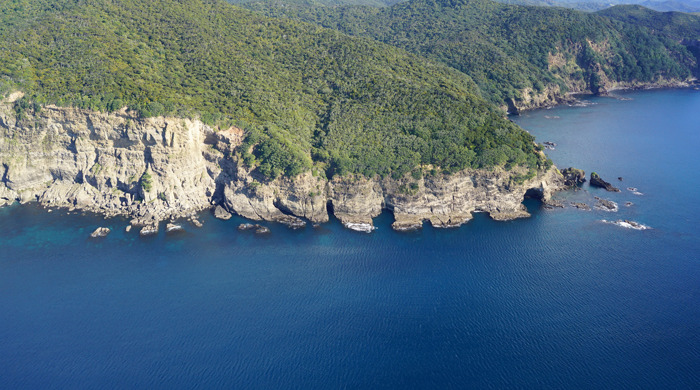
(326, 3)
(307, 97)
(509, 48)
(675, 25)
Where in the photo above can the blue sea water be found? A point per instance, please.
(559, 300)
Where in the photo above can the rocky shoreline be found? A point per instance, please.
(160, 169)
(552, 97)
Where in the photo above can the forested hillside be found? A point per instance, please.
(308, 97)
(512, 51)
(676, 25)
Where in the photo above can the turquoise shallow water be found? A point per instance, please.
(559, 300)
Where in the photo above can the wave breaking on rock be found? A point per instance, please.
(627, 224)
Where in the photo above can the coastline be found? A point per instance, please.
(159, 169)
(571, 96)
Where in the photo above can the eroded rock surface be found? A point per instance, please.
(597, 181)
(160, 169)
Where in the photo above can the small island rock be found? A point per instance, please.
(605, 205)
(581, 206)
(171, 227)
(246, 226)
(149, 229)
(100, 232)
(597, 181)
(262, 230)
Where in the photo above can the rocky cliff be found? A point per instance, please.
(582, 78)
(159, 168)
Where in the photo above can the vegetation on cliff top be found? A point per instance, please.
(507, 49)
(308, 97)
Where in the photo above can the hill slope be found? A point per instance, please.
(307, 97)
(518, 53)
(675, 25)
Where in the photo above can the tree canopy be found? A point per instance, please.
(308, 97)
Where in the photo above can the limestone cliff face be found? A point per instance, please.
(158, 168)
(109, 163)
(444, 200)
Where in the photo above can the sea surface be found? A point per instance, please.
(560, 300)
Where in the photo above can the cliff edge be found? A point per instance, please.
(159, 168)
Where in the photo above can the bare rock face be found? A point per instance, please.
(444, 200)
(356, 200)
(302, 196)
(157, 169)
(108, 163)
(449, 201)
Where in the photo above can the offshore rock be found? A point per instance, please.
(597, 181)
(100, 232)
(605, 205)
(171, 227)
(628, 224)
(149, 230)
(581, 206)
(360, 227)
(552, 203)
(262, 230)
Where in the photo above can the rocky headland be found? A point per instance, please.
(158, 169)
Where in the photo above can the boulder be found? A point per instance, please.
(149, 229)
(195, 222)
(605, 205)
(171, 227)
(262, 230)
(221, 213)
(581, 206)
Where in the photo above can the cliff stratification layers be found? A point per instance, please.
(158, 168)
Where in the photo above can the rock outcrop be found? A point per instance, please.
(221, 213)
(158, 169)
(597, 181)
(573, 177)
(100, 232)
(605, 204)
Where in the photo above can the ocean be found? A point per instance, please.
(559, 300)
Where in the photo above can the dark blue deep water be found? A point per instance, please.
(559, 300)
